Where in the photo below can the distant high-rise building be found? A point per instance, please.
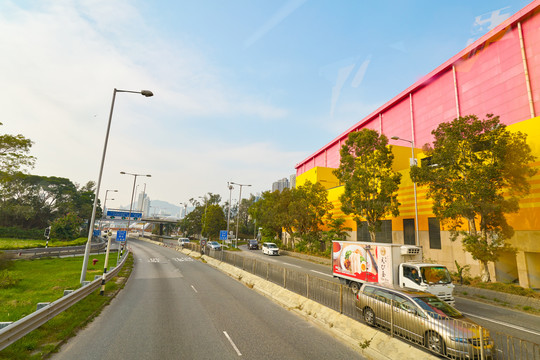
(280, 185)
(292, 181)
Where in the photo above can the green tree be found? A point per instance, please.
(267, 211)
(215, 221)
(307, 211)
(370, 183)
(14, 151)
(66, 228)
(478, 172)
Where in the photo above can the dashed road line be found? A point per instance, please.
(193, 287)
(292, 265)
(318, 272)
(233, 344)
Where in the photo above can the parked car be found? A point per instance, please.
(253, 245)
(213, 245)
(183, 241)
(269, 248)
(425, 319)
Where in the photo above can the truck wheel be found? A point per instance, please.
(355, 287)
(369, 316)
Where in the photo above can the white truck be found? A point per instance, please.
(355, 263)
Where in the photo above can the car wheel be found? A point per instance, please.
(435, 343)
(369, 316)
(355, 287)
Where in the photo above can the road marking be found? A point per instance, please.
(503, 323)
(318, 272)
(232, 343)
(292, 265)
(182, 259)
(153, 260)
(193, 287)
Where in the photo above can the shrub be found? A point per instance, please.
(6, 280)
(19, 233)
(67, 227)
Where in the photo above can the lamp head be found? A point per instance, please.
(395, 138)
(122, 172)
(147, 93)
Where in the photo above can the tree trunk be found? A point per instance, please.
(485, 272)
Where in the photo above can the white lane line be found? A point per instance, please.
(233, 344)
(193, 287)
(504, 324)
(291, 265)
(318, 272)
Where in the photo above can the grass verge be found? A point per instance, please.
(41, 342)
(16, 244)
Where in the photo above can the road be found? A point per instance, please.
(174, 307)
(495, 318)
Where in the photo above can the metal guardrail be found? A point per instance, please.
(35, 253)
(339, 297)
(21, 327)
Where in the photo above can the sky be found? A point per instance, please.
(243, 89)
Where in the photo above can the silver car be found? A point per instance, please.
(423, 318)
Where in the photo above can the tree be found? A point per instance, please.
(267, 212)
(215, 221)
(66, 228)
(370, 183)
(14, 151)
(478, 172)
(307, 211)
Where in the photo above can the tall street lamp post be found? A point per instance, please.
(229, 212)
(205, 205)
(238, 215)
(146, 93)
(132, 193)
(104, 215)
(412, 162)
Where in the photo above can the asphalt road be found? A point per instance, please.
(174, 307)
(497, 319)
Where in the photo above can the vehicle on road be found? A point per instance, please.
(356, 263)
(183, 241)
(253, 244)
(213, 245)
(269, 248)
(423, 318)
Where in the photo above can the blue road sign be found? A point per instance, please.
(97, 232)
(123, 215)
(121, 236)
(222, 234)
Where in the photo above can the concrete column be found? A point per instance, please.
(523, 272)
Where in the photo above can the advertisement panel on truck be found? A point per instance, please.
(363, 262)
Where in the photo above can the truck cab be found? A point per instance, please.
(432, 278)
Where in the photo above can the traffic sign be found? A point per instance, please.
(222, 234)
(97, 232)
(121, 235)
(123, 215)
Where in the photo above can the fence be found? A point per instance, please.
(36, 253)
(451, 338)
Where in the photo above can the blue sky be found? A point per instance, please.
(244, 90)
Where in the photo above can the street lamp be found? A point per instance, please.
(229, 212)
(105, 202)
(238, 215)
(132, 193)
(146, 93)
(411, 163)
(205, 205)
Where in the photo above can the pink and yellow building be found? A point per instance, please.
(497, 74)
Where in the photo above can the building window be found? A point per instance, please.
(383, 236)
(434, 233)
(408, 232)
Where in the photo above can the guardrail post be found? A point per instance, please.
(481, 343)
(340, 299)
(392, 318)
(267, 270)
(307, 286)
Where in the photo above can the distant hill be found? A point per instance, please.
(162, 207)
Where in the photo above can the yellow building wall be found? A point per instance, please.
(526, 222)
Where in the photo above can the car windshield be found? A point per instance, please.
(271, 246)
(436, 308)
(214, 243)
(436, 275)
